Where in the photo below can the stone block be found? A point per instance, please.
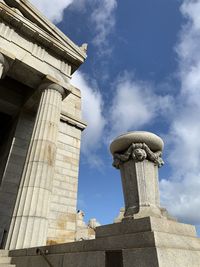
(4, 253)
(69, 130)
(141, 257)
(176, 241)
(4, 260)
(178, 257)
(63, 164)
(85, 259)
(144, 225)
(39, 261)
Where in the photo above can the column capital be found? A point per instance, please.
(54, 86)
(4, 66)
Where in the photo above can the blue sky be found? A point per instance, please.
(142, 73)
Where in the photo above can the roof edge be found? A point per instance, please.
(31, 12)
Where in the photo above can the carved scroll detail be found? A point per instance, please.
(138, 152)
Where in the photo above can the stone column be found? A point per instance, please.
(138, 156)
(30, 219)
(4, 66)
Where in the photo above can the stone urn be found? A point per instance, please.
(138, 156)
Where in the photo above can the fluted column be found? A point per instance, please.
(138, 156)
(4, 66)
(29, 222)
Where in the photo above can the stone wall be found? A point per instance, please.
(14, 168)
(62, 215)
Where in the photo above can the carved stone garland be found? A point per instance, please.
(138, 152)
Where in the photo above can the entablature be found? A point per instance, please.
(66, 52)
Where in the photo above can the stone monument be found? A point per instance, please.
(146, 237)
(41, 125)
(139, 165)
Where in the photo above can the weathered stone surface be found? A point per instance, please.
(138, 156)
(161, 257)
(144, 225)
(5, 260)
(141, 257)
(143, 242)
(83, 259)
(121, 143)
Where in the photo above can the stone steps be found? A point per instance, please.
(5, 260)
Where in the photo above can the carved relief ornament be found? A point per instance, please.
(138, 152)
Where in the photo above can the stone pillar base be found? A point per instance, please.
(146, 211)
(154, 242)
(161, 257)
(150, 211)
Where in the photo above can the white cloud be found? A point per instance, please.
(103, 18)
(135, 105)
(53, 9)
(102, 15)
(181, 192)
(182, 197)
(92, 105)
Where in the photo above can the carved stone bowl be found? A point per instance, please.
(123, 142)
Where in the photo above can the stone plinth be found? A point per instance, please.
(138, 156)
(145, 242)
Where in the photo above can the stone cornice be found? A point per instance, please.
(34, 15)
(138, 152)
(23, 25)
(68, 118)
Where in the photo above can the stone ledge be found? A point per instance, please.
(149, 247)
(66, 117)
(124, 241)
(144, 225)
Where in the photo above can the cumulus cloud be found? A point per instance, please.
(53, 9)
(103, 18)
(181, 192)
(92, 106)
(135, 105)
